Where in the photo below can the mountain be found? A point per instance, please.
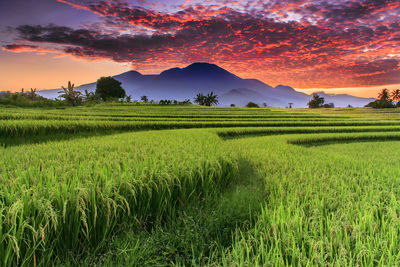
(185, 83)
(343, 100)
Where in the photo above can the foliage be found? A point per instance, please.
(91, 97)
(31, 94)
(27, 99)
(384, 99)
(128, 98)
(109, 88)
(71, 96)
(200, 99)
(252, 105)
(144, 99)
(316, 101)
(211, 99)
(384, 95)
(330, 105)
(396, 96)
(165, 102)
(206, 100)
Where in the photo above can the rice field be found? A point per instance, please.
(142, 185)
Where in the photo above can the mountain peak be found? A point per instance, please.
(284, 87)
(199, 70)
(203, 66)
(129, 75)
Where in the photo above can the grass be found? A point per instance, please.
(128, 185)
(331, 205)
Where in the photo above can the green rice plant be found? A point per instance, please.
(340, 138)
(62, 200)
(331, 205)
(249, 132)
(25, 128)
(70, 200)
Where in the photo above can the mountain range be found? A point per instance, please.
(185, 83)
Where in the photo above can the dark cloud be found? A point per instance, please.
(16, 47)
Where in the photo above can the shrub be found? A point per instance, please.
(22, 99)
(330, 105)
(380, 104)
(252, 105)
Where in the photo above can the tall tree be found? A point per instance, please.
(396, 95)
(144, 98)
(200, 99)
(384, 95)
(211, 99)
(316, 102)
(383, 101)
(109, 88)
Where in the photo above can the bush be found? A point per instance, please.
(252, 105)
(380, 104)
(22, 99)
(330, 105)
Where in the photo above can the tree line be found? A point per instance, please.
(386, 99)
(110, 89)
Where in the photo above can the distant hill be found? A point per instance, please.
(185, 83)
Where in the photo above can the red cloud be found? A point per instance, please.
(327, 45)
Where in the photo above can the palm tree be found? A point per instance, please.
(32, 94)
(144, 99)
(70, 95)
(200, 99)
(384, 95)
(211, 99)
(290, 105)
(396, 95)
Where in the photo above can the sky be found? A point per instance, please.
(335, 46)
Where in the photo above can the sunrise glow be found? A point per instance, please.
(336, 46)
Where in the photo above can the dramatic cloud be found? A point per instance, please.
(20, 48)
(303, 43)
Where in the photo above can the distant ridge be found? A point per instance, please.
(185, 83)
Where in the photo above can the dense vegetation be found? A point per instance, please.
(108, 87)
(386, 99)
(130, 185)
(318, 102)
